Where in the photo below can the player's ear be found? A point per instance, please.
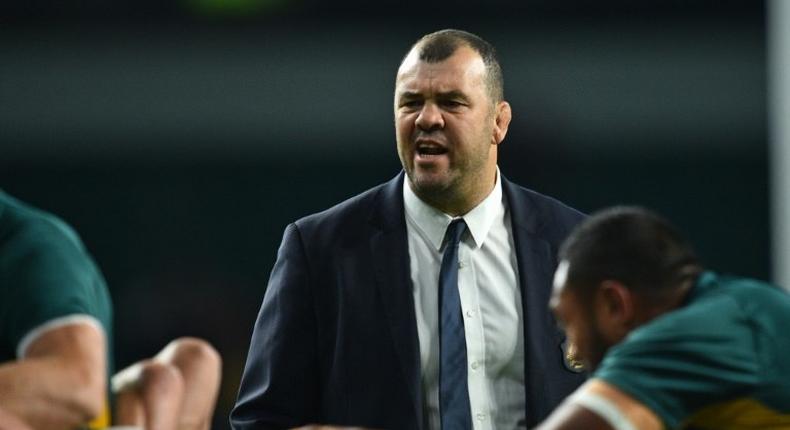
(616, 303)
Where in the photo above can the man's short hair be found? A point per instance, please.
(440, 45)
(631, 245)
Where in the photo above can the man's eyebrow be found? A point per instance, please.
(454, 94)
(409, 95)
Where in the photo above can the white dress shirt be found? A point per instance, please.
(490, 301)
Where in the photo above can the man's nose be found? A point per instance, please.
(430, 117)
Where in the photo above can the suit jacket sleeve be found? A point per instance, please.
(279, 386)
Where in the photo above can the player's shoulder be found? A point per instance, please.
(751, 294)
(765, 307)
(690, 329)
(23, 225)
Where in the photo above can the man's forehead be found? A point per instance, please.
(464, 61)
(411, 60)
(561, 276)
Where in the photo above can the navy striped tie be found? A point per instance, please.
(453, 391)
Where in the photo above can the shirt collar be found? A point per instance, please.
(433, 223)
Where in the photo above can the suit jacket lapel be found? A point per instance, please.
(389, 248)
(533, 254)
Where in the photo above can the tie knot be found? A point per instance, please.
(454, 231)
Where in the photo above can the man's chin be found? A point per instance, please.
(428, 184)
(592, 363)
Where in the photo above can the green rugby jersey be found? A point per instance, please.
(45, 274)
(722, 361)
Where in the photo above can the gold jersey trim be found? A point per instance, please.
(740, 414)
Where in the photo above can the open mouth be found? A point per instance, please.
(430, 150)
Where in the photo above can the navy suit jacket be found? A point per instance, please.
(336, 341)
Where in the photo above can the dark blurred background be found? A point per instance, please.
(179, 138)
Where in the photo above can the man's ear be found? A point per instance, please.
(502, 118)
(615, 302)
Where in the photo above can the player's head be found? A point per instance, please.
(450, 117)
(618, 269)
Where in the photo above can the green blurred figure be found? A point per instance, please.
(56, 341)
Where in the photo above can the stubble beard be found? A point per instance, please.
(597, 347)
(453, 189)
(436, 191)
(455, 184)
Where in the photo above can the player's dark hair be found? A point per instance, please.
(440, 45)
(631, 245)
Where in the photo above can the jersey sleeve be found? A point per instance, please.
(48, 275)
(685, 360)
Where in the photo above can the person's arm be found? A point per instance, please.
(598, 405)
(60, 383)
(279, 387)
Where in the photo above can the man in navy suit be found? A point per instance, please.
(367, 298)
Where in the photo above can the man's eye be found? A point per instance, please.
(452, 103)
(411, 104)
